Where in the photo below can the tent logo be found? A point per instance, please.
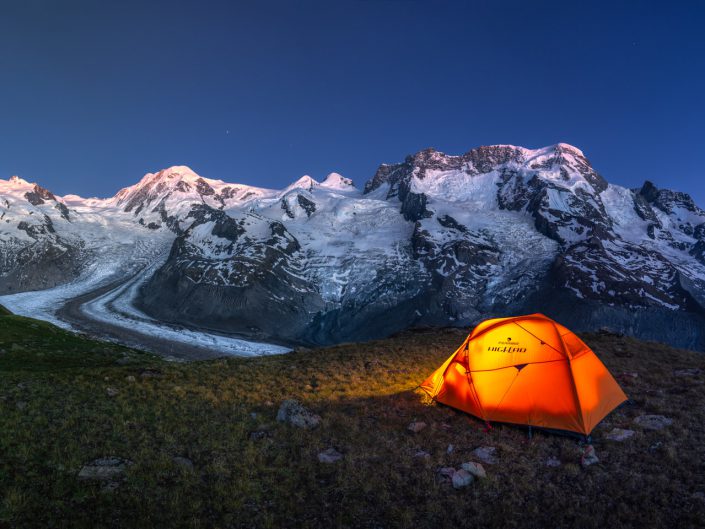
(506, 346)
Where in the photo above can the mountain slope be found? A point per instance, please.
(441, 239)
(433, 240)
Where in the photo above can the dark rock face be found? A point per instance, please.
(309, 206)
(413, 206)
(449, 222)
(666, 200)
(235, 282)
(203, 188)
(287, 209)
(698, 251)
(681, 329)
(33, 255)
(459, 271)
(39, 195)
(47, 263)
(36, 231)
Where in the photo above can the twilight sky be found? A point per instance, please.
(93, 94)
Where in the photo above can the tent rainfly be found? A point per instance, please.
(527, 370)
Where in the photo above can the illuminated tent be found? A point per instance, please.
(527, 370)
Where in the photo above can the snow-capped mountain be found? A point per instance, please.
(47, 240)
(31, 238)
(433, 240)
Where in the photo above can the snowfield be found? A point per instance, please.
(433, 240)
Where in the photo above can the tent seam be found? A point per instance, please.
(572, 382)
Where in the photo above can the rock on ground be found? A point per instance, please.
(104, 469)
(258, 435)
(416, 426)
(446, 471)
(461, 478)
(553, 462)
(486, 454)
(183, 462)
(619, 434)
(653, 422)
(330, 455)
(293, 412)
(688, 372)
(476, 469)
(151, 373)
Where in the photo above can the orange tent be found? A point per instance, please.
(527, 370)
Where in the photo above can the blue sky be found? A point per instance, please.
(94, 94)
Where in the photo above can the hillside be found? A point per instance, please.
(204, 448)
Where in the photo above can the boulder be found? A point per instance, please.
(619, 434)
(112, 392)
(104, 469)
(293, 412)
(476, 469)
(653, 422)
(416, 426)
(183, 462)
(330, 455)
(486, 454)
(461, 478)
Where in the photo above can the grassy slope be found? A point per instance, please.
(55, 415)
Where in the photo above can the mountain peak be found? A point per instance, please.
(337, 181)
(175, 172)
(305, 182)
(563, 147)
(17, 181)
(180, 170)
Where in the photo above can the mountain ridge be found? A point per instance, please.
(436, 239)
